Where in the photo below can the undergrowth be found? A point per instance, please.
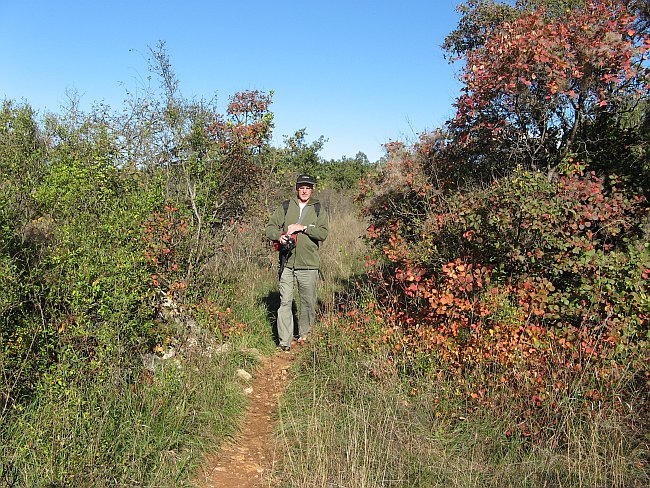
(349, 420)
(355, 415)
(143, 433)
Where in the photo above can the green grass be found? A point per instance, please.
(148, 432)
(341, 424)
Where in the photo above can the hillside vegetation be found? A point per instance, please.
(490, 330)
(130, 253)
(500, 334)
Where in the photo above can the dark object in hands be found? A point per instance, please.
(287, 246)
(285, 249)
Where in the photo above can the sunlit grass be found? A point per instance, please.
(342, 425)
(149, 432)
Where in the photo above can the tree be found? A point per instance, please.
(301, 156)
(529, 274)
(239, 137)
(479, 18)
(536, 79)
(345, 173)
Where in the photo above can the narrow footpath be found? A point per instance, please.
(248, 460)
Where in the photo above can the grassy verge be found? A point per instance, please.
(346, 420)
(120, 434)
(151, 430)
(148, 432)
(338, 428)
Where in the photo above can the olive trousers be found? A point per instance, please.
(306, 279)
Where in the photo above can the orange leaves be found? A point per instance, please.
(590, 53)
(248, 123)
(373, 232)
(396, 249)
(549, 246)
(445, 309)
(466, 277)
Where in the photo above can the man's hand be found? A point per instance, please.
(295, 228)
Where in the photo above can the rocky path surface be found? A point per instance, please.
(247, 462)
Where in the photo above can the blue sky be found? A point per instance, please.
(359, 73)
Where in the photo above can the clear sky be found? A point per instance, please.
(358, 72)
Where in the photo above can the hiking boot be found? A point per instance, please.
(303, 339)
(285, 348)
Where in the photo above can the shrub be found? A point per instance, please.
(529, 288)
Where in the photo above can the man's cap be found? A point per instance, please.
(305, 180)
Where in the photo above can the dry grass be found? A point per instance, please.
(338, 429)
(342, 252)
(344, 427)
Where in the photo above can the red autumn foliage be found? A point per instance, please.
(539, 282)
(247, 124)
(163, 235)
(538, 81)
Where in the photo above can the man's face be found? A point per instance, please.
(304, 192)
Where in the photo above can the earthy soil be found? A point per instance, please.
(247, 462)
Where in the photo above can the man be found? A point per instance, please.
(304, 221)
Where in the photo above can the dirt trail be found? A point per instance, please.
(247, 461)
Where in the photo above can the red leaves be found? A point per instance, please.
(162, 234)
(247, 125)
(550, 310)
(540, 64)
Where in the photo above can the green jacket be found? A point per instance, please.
(305, 255)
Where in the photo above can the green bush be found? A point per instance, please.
(525, 291)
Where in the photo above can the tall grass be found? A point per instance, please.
(148, 432)
(342, 424)
(338, 428)
(342, 253)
